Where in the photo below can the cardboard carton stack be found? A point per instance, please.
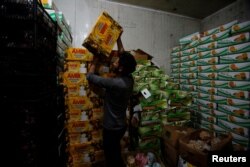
(83, 109)
(215, 66)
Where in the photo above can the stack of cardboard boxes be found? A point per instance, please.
(215, 66)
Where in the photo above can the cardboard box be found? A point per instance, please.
(170, 154)
(244, 141)
(193, 57)
(220, 51)
(175, 65)
(231, 110)
(214, 68)
(206, 83)
(239, 121)
(240, 48)
(184, 70)
(184, 58)
(207, 47)
(189, 38)
(176, 49)
(188, 87)
(192, 81)
(207, 90)
(198, 157)
(235, 58)
(171, 134)
(213, 98)
(213, 75)
(214, 37)
(103, 35)
(208, 61)
(239, 85)
(232, 127)
(188, 75)
(207, 104)
(192, 44)
(240, 67)
(243, 104)
(176, 54)
(189, 52)
(237, 94)
(188, 64)
(240, 27)
(234, 40)
(205, 54)
(74, 78)
(78, 54)
(220, 28)
(173, 60)
(234, 76)
(219, 84)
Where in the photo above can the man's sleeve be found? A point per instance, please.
(100, 81)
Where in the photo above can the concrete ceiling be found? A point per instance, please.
(193, 8)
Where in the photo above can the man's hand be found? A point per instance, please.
(93, 64)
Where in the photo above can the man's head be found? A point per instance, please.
(126, 63)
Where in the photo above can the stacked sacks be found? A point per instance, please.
(160, 102)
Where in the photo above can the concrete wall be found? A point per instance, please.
(153, 31)
(240, 10)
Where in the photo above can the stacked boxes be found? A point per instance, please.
(84, 111)
(103, 35)
(221, 80)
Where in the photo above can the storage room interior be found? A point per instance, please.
(191, 93)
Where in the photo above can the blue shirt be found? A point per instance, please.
(117, 93)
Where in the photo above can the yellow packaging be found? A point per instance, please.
(104, 35)
(78, 115)
(97, 113)
(79, 54)
(75, 90)
(47, 3)
(80, 103)
(79, 138)
(75, 78)
(72, 66)
(79, 126)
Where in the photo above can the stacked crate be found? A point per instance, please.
(29, 90)
(84, 111)
(222, 80)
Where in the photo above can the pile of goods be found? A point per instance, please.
(143, 159)
(205, 142)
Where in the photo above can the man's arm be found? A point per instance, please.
(120, 45)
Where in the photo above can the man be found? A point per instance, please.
(116, 98)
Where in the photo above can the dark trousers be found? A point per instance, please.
(112, 147)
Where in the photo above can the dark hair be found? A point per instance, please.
(127, 61)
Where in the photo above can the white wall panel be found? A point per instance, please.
(153, 31)
(240, 10)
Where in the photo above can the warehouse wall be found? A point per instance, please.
(240, 10)
(153, 31)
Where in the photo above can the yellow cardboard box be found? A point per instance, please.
(103, 35)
